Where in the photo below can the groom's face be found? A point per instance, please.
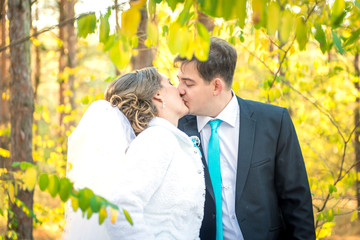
(196, 93)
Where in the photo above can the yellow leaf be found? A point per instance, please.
(137, 4)
(173, 38)
(11, 192)
(35, 41)
(354, 216)
(301, 32)
(130, 20)
(113, 214)
(190, 49)
(74, 203)
(152, 32)
(128, 218)
(2, 197)
(286, 25)
(273, 20)
(202, 49)
(46, 117)
(4, 153)
(102, 215)
(29, 178)
(147, 43)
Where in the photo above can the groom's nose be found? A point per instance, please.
(181, 90)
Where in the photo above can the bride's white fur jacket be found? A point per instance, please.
(159, 181)
(162, 186)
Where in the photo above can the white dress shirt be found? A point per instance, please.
(228, 132)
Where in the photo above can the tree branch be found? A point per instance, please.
(66, 21)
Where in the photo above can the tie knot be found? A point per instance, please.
(214, 124)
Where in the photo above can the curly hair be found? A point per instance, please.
(132, 94)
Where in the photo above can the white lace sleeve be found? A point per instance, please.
(96, 150)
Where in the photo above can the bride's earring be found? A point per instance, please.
(164, 104)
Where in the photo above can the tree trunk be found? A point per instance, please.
(21, 109)
(62, 63)
(71, 47)
(145, 56)
(357, 132)
(4, 87)
(37, 72)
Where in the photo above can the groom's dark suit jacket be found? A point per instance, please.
(273, 199)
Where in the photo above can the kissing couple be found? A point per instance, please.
(192, 162)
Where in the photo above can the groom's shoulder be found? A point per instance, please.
(188, 119)
(260, 107)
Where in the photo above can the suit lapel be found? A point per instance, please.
(245, 149)
(190, 127)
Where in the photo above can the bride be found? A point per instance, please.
(157, 177)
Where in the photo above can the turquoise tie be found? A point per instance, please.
(215, 174)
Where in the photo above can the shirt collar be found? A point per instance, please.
(226, 115)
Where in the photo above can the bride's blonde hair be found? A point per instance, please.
(132, 94)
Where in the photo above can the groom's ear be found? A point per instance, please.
(218, 86)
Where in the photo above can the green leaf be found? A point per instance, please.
(43, 181)
(332, 188)
(151, 8)
(320, 216)
(104, 28)
(172, 4)
(15, 164)
(286, 25)
(25, 165)
(330, 214)
(84, 198)
(320, 37)
(337, 42)
(301, 32)
(118, 55)
(357, 4)
(128, 218)
(202, 31)
(89, 213)
(95, 203)
(258, 15)
(354, 36)
(85, 100)
(337, 12)
(109, 42)
(239, 11)
(53, 186)
(184, 15)
(65, 188)
(86, 24)
(273, 20)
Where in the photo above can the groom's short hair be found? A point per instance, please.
(220, 63)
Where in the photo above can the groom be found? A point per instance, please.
(254, 167)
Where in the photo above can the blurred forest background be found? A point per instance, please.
(58, 56)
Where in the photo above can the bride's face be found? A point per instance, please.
(171, 96)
